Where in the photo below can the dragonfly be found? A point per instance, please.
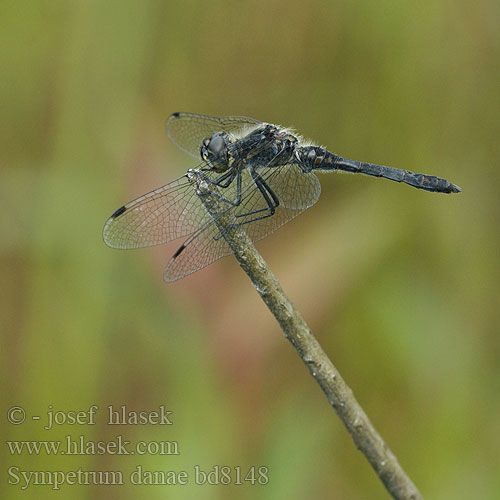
(262, 175)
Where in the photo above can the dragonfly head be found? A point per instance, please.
(214, 150)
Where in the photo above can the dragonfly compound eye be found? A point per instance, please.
(214, 150)
(216, 144)
(204, 149)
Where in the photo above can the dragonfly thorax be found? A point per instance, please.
(266, 146)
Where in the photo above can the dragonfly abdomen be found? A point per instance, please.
(316, 158)
(420, 181)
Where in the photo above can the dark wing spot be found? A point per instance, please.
(118, 212)
(179, 250)
(176, 114)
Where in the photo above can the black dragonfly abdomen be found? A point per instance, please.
(316, 158)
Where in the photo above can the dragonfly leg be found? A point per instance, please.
(227, 176)
(230, 178)
(270, 198)
(267, 193)
(228, 182)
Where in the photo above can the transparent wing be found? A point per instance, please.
(174, 210)
(165, 214)
(296, 192)
(295, 189)
(200, 250)
(187, 130)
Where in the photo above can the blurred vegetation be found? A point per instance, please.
(400, 286)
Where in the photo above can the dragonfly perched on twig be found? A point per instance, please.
(263, 175)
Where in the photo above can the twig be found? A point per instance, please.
(338, 393)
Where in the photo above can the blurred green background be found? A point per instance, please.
(400, 286)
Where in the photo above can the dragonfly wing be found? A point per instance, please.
(187, 130)
(206, 245)
(295, 190)
(163, 215)
(200, 250)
